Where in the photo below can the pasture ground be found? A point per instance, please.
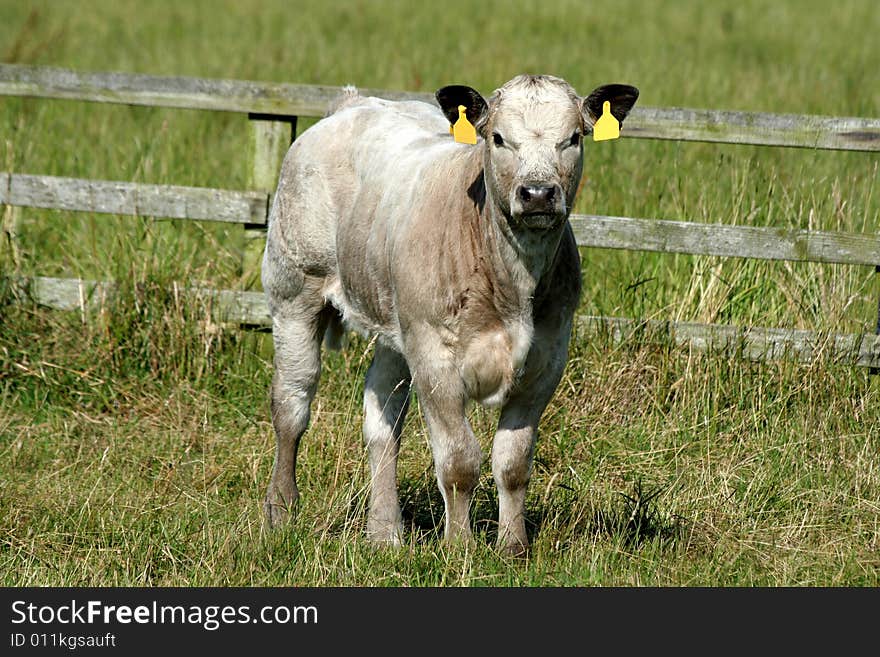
(135, 445)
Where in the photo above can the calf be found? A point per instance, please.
(458, 257)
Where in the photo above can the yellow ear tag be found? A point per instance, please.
(463, 131)
(606, 126)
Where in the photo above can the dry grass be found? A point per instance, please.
(136, 445)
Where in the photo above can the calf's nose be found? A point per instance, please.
(537, 195)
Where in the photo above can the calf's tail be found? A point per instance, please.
(334, 336)
(349, 96)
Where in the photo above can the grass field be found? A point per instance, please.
(135, 445)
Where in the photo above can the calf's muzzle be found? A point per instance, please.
(533, 200)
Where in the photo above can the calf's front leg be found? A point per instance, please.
(513, 448)
(457, 457)
(513, 451)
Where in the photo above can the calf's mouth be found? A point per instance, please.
(539, 221)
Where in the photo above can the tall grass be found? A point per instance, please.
(135, 441)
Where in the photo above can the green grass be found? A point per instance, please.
(135, 444)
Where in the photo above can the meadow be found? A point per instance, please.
(135, 444)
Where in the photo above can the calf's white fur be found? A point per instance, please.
(459, 258)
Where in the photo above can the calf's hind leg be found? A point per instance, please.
(297, 337)
(386, 401)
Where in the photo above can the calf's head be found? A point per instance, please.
(532, 130)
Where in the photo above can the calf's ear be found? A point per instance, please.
(621, 96)
(476, 108)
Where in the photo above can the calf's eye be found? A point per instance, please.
(497, 139)
(575, 139)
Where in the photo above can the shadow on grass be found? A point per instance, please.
(421, 505)
(634, 519)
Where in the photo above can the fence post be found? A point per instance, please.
(876, 370)
(271, 136)
(10, 223)
(11, 260)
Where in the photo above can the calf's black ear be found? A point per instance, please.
(621, 96)
(476, 108)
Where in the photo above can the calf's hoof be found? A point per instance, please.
(514, 548)
(278, 507)
(387, 534)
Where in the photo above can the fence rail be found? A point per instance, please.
(273, 109)
(808, 131)
(251, 207)
(112, 197)
(751, 343)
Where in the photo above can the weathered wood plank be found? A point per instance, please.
(180, 92)
(875, 370)
(10, 254)
(269, 144)
(250, 208)
(236, 307)
(752, 343)
(105, 196)
(763, 129)
(78, 294)
(724, 240)
(808, 131)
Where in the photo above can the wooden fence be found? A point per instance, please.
(273, 110)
